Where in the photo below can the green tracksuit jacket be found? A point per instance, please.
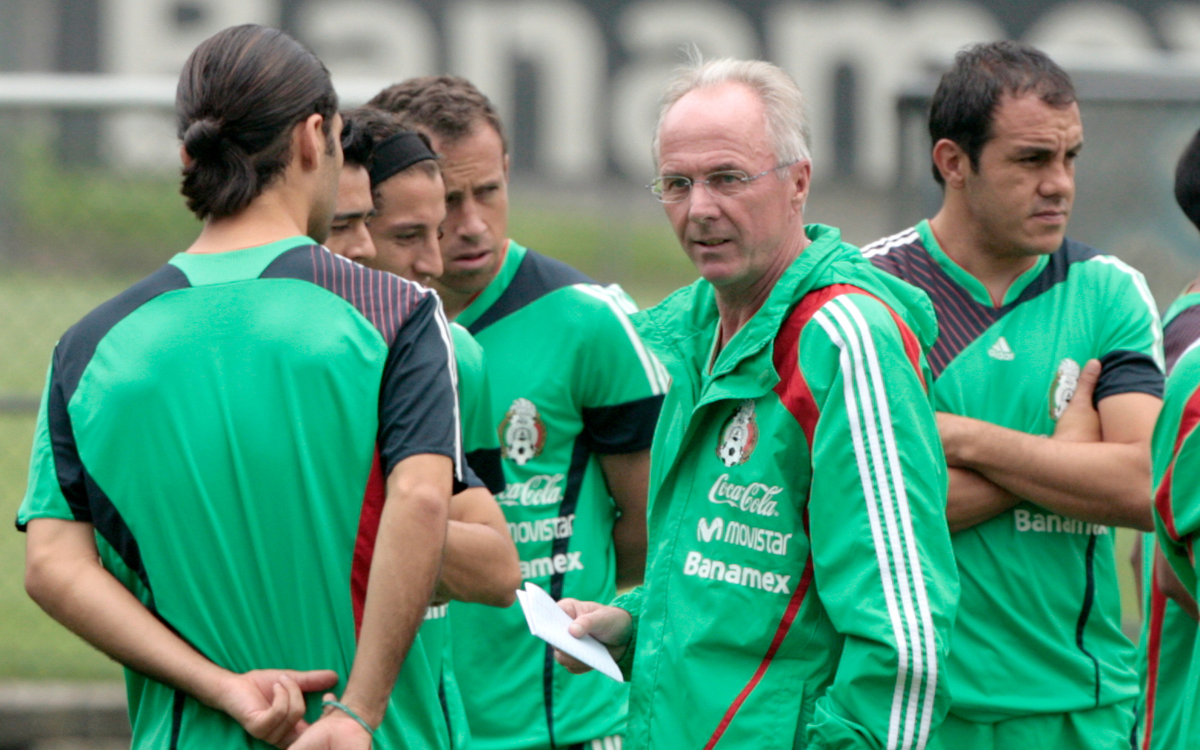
(800, 582)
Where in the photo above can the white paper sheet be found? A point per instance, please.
(548, 622)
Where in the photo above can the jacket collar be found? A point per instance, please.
(681, 328)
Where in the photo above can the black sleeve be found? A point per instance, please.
(1125, 371)
(418, 405)
(486, 466)
(621, 428)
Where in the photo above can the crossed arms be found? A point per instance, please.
(1095, 467)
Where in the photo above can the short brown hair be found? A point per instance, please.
(445, 106)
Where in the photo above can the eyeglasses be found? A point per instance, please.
(673, 188)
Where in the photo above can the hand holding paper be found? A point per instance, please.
(548, 622)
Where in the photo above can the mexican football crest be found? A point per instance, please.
(739, 435)
(522, 433)
(1063, 387)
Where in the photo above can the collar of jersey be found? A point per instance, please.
(508, 269)
(968, 282)
(684, 325)
(1181, 303)
(236, 265)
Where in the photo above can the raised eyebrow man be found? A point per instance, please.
(480, 563)
(1169, 631)
(576, 396)
(219, 484)
(1027, 317)
(800, 585)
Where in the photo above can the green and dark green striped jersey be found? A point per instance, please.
(227, 426)
(800, 584)
(571, 381)
(1169, 635)
(1038, 627)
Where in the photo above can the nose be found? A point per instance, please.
(470, 225)
(428, 260)
(361, 247)
(1059, 179)
(702, 206)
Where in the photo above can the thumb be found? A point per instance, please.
(603, 624)
(313, 680)
(1086, 387)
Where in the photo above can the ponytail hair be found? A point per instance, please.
(241, 93)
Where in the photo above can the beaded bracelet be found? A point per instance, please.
(350, 712)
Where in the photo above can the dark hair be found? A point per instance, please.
(1187, 180)
(964, 106)
(239, 96)
(364, 128)
(356, 141)
(445, 106)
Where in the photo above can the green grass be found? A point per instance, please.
(32, 646)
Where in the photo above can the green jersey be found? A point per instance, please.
(227, 426)
(800, 584)
(482, 449)
(1038, 627)
(570, 381)
(1167, 631)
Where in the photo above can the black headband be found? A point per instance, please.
(396, 154)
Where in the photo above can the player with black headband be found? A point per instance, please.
(246, 459)
(403, 187)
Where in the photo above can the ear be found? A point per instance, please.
(800, 176)
(308, 140)
(952, 162)
(185, 157)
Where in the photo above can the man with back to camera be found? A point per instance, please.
(404, 199)
(1026, 319)
(576, 394)
(218, 483)
(800, 585)
(1169, 628)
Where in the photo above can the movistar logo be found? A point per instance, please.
(1001, 350)
(741, 535)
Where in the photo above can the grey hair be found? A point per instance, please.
(785, 108)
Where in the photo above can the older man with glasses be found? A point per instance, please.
(800, 584)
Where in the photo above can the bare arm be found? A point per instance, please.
(972, 499)
(1172, 587)
(404, 570)
(628, 478)
(480, 563)
(63, 574)
(1105, 481)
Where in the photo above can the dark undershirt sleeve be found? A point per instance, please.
(621, 428)
(486, 466)
(418, 407)
(1124, 371)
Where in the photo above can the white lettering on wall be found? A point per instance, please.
(380, 39)
(885, 48)
(654, 33)
(563, 42)
(149, 37)
(584, 116)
